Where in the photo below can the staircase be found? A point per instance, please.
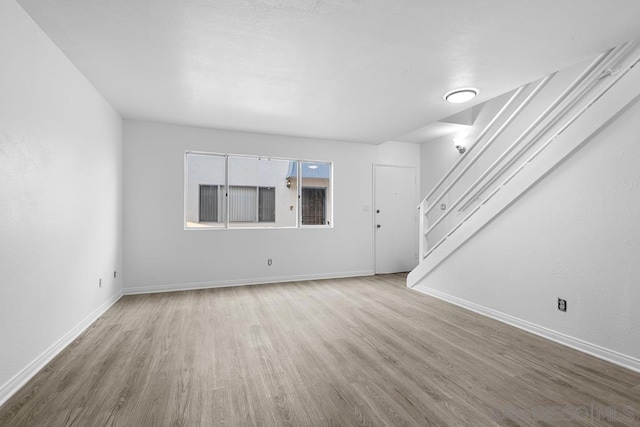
(477, 249)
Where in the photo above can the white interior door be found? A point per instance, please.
(395, 219)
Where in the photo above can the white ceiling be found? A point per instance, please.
(353, 70)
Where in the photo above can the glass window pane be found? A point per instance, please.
(208, 203)
(272, 203)
(242, 203)
(267, 204)
(315, 193)
(205, 201)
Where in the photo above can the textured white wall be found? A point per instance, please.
(60, 196)
(575, 235)
(160, 254)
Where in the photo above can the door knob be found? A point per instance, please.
(378, 226)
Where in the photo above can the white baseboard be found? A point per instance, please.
(240, 282)
(577, 344)
(20, 379)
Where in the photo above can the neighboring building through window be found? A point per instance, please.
(208, 203)
(266, 204)
(314, 191)
(261, 192)
(251, 204)
(314, 206)
(205, 200)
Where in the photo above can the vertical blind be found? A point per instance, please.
(246, 204)
(267, 204)
(208, 203)
(242, 204)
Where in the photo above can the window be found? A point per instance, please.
(267, 204)
(251, 204)
(205, 201)
(242, 204)
(208, 203)
(313, 206)
(315, 193)
(259, 196)
(261, 192)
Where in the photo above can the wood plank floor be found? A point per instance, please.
(360, 351)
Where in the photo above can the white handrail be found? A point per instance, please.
(564, 127)
(575, 117)
(561, 98)
(486, 146)
(587, 75)
(478, 138)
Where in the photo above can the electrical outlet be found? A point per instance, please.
(99, 283)
(562, 304)
(269, 261)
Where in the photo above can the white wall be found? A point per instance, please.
(574, 235)
(437, 157)
(159, 254)
(398, 153)
(60, 199)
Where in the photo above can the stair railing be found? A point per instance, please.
(587, 81)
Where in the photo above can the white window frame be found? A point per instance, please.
(225, 223)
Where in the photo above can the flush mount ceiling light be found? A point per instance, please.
(458, 96)
(313, 166)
